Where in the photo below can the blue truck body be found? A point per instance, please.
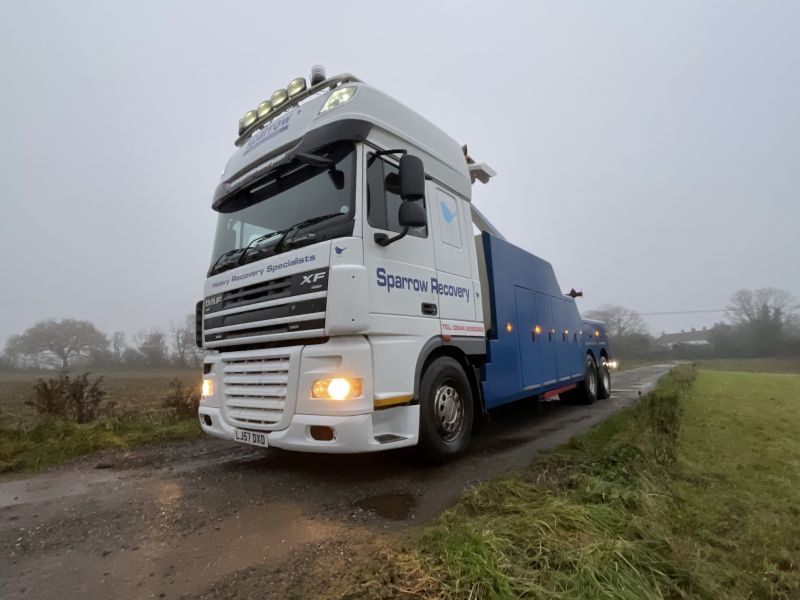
(537, 343)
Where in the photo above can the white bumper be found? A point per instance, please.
(285, 384)
(381, 430)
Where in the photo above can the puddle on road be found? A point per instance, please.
(396, 507)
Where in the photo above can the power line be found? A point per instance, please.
(684, 312)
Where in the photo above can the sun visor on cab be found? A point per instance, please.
(345, 130)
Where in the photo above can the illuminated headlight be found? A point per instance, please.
(296, 86)
(208, 388)
(278, 98)
(338, 96)
(339, 388)
(613, 364)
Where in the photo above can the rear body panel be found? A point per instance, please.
(537, 340)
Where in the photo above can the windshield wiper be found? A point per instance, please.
(221, 257)
(258, 240)
(301, 224)
(281, 232)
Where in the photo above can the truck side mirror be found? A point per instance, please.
(412, 178)
(412, 214)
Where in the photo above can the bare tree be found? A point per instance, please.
(58, 343)
(152, 345)
(765, 304)
(183, 344)
(619, 320)
(118, 346)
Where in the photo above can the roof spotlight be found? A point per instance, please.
(264, 108)
(249, 118)
(296, 86)
(279, 97)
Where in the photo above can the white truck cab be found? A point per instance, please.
(347, 305)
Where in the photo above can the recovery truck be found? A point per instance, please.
(350, 307)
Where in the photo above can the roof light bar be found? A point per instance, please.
(292, 95)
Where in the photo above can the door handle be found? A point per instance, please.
(428, 308)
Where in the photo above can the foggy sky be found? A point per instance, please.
(651, 152)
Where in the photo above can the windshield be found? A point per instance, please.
(279, 206)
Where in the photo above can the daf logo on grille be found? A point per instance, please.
(312, 278)
(213, 301)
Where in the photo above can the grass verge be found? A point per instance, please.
(54, 441)
(693, 493)
(753, 365)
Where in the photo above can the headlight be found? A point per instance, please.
(338, 388)
(338, 96)
(208, 388)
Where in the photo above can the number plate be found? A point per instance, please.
(251, 437)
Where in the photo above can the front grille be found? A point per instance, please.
(287, 308)
(258, 292)
(255, 390)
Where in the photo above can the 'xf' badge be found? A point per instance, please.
(312, 278)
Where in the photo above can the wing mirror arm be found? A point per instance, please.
(412, 189)
(384, 240)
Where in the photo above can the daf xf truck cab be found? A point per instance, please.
(349, 307)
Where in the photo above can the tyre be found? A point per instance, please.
(446, 410)
(586, 392)
(603, 380)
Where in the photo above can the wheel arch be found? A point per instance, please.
(470, 353)
(590, 352)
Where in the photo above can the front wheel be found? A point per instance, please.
(446, 410)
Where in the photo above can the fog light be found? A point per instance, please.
(208, 388)
(321, 433)
(338, 388)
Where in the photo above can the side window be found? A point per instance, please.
(383, 197)
(448, 219)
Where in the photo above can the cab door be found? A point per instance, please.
(451, 223)
(401, 273)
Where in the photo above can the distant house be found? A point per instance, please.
(693, 337)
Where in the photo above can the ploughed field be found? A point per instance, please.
(141, 389)
(136, 407)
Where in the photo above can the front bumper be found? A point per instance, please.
(269, 392)
(380, 430)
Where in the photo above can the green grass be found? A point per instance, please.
(694, 493)
(753, 365)
(55, 441)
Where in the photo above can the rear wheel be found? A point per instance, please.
(604, 380)
(446, 410)
(586, 392)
